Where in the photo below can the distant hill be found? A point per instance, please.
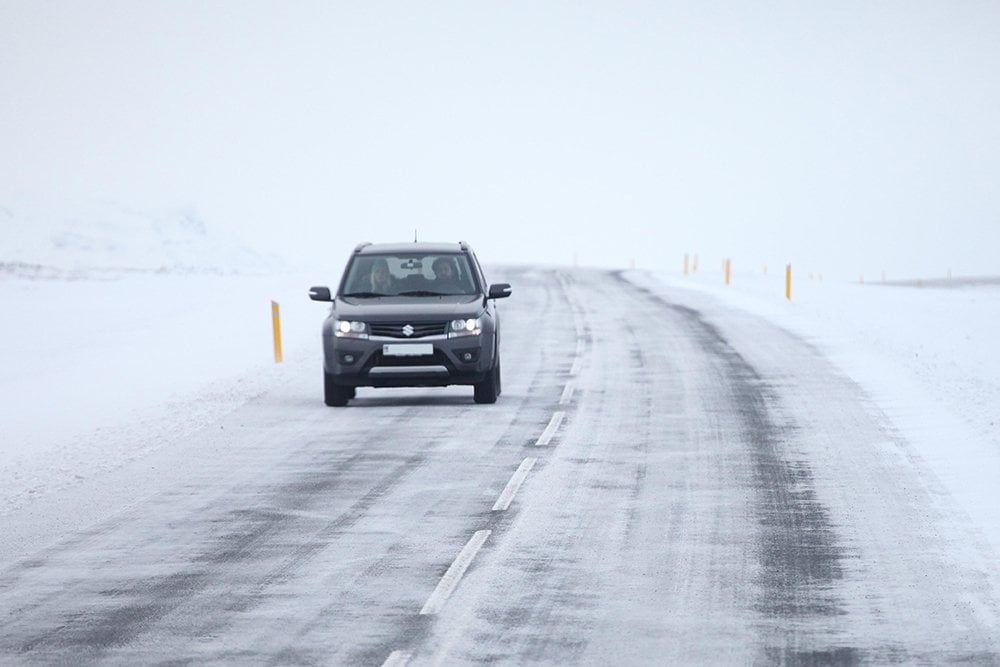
(82, 238)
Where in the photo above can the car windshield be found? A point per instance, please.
(409, 274)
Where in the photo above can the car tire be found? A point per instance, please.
(488, 390)
(335, 395)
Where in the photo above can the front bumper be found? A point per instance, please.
(365, 362)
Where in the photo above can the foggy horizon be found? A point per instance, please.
(847, 139)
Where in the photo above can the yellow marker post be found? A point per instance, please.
(728, 267)
(788, 282)
(276, 328)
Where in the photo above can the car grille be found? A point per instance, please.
(420, 329)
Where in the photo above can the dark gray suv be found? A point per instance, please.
(411, 315)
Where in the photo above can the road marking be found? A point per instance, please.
(550, 430)
(397, 659)
(567, 394)
(578, 360)
(503, 502)
(454, 574)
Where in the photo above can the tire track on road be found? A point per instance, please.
(798, 548)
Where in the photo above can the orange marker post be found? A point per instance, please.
(788, 282)
(276, 328)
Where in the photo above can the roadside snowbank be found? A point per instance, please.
(124, 329)
(94, 372)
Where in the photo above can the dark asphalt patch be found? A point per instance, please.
(798, 549)
(139, 603)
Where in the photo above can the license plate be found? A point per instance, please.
(408, 350)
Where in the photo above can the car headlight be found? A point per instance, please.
(470, 327)
(350, 329)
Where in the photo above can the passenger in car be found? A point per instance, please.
(381, 279)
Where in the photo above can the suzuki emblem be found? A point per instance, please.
(408, 330)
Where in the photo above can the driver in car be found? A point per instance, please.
(445, 275)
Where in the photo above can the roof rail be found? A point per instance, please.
(358, 247)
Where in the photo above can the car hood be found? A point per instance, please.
(411, 309)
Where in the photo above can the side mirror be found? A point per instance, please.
(499, 291)
(320, 294)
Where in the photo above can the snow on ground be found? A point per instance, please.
(927, 357)
(122, 330)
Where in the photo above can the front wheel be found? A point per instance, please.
(488, 390)
(335, 395)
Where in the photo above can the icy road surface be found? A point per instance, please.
(663, 481)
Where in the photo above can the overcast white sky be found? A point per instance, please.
(845, 137)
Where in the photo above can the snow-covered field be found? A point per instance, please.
(122, 331)
(101, 360)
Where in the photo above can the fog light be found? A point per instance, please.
(469, 355)
(347, 358)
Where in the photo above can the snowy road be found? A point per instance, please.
(661, 482)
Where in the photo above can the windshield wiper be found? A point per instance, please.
(364, 295)
(422, 292)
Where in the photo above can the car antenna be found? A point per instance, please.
(414, 234)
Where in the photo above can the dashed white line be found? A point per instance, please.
(550, 430)
(397, 659)
(578, 360)
(567, 394)
(503, 502)
(454, 574)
